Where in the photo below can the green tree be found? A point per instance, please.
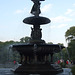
(5, 54)
(70, 33)
(65, 54)
(61, 44)
(70, 37)
(25, 39)
(71, 48)
(50, 43)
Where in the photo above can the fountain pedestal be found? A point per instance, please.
(39, 69)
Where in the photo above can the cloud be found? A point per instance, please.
(46, 8)
(62, 25)
(69, 11)
(52, 26)
(60, 19)
(20, 11)
(58, 26)
(74, 4)
(73, 14)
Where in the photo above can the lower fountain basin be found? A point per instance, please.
(42, 49)
(36, 58)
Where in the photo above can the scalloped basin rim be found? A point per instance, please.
(25, 44)
(41, 48)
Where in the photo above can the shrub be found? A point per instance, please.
(73, 70)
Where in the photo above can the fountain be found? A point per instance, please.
(35, 54)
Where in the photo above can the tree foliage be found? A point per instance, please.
(7, 55)
(70, 33)
(71, 48)
(70, 36)
(25, 39)
(4, 51)
(50, 43)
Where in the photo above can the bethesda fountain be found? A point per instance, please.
(35, 54)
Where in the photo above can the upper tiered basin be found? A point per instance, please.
(36, 20)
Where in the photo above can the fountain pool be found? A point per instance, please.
(7, 71)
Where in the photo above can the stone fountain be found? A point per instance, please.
(35, 54)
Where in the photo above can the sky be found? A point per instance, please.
(60, 12)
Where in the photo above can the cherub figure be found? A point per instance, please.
(36, 7)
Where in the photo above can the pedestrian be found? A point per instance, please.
(14, 62)
(67, 62)
(58, 61)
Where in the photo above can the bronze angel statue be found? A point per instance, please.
(36, 7)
